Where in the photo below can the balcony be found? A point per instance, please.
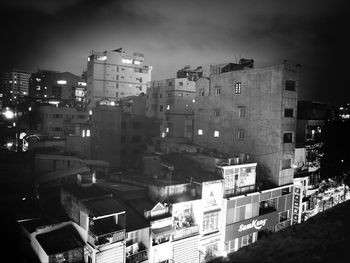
(186, 232)
(105, 239)
(137, 257)
(266, 210)
(239, 191)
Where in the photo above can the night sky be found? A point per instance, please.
(59, 35)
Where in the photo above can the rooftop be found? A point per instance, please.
(60, 240)
(91, 192)
(103, 206)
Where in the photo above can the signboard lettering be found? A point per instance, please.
(257, 224)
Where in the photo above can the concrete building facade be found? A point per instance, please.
(14, 85)
(242, 109)
(171, 101)
(115, 74)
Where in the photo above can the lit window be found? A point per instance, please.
(87, 133)
(88, 58)
(81, 83)
(45, 96)
(163, 134)
(37, 88)
(193, 100)
(217, 91)
(238, 88)
(38, 79)
(287, 137)
(101, 58)
(247, 240)
(83, 133)
(167, 129)
(137, 62)
(216, 134)
(200, 132)
(241, 112)
(240, 134)
(127, 61)
(30, 109)
(168, 107)
(62, 82)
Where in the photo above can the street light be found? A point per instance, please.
(9, 114)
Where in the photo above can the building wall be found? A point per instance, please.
(257, 111)
(171, 101)
(61, 121)
(112, 75)
(106, 134)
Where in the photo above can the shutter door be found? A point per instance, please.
(112, 255)
(186, 250)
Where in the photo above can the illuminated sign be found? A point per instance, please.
(62, 82)
(81, 83)
(251, 225)
(257, 224)
(79, 93)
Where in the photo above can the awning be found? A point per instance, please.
(162, 232)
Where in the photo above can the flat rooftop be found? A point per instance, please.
(103, 206)
(90, 192)
(60, 240)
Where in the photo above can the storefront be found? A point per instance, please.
(245, 232)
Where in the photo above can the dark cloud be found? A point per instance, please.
(60, 34)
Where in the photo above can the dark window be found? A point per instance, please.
(288, 113)
(285, 191)
(135, 138)
(136, 125)
(290, 85)
(216, 112)
(160, 108)
(181, 83)
(123, 124)
(241, 112)
(288, 137)
(240, 135)
(283, 216)
(286, 164)
(217, 91)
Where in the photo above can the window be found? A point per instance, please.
(210, 222)
(123, 124)
(87, 133)
(201, 92)
(240, 134)
(287, 137)
(160, 95)
(181, 83)
(290, 85)
(180, 94)
(136, 125)
(217, 91)
(216, 134)
(241, 112)
(284, 216)
(200, 132)
(286, 164)
(288, 113)
(117, 77)
(238, 88)
(168, 107)
(216, 112)
(285, 191)
(160, 108)
(247, 240)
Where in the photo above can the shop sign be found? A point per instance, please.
(251, 225)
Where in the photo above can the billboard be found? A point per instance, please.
(79, 92)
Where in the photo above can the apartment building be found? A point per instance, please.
(115, 74)
(171, 101)
(14, 85)
(65, 87)
(240, 108)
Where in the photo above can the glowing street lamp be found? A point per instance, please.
(9, 114)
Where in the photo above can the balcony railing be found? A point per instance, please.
(185, 232)
(266, 210)
(140, 256)
(240, 190)
(105, 239)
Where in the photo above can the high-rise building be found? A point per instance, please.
(14, 85)
(240, 108)
(171, 101)
(62, 86)
(115, 74)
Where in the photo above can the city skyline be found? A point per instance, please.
(59, 35)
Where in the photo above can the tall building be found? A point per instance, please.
(14, 85)
(243, 109)
(62, 86)
(115, 74)
(171, 101)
